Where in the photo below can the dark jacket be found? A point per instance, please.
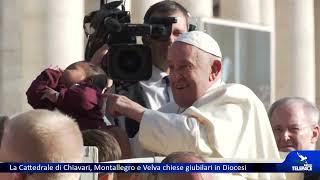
(133, 91)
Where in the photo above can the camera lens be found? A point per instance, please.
(129, 61)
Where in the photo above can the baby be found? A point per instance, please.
(75, 91)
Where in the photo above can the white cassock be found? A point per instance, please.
(229, 121)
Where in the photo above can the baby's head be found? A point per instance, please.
(85, 71)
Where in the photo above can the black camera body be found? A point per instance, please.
(126, 60)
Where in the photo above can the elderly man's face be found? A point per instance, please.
(190, 73)
(292, 129)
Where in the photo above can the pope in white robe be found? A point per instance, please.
(209, 117)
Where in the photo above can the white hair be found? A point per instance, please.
(46, 136)
(310, 110)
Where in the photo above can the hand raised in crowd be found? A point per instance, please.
(50, 94)
(117, 105)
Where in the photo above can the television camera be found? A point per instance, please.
(125, 60)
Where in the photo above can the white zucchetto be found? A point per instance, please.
(202, 41)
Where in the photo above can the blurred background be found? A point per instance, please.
(272, 46)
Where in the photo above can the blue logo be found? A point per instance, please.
(303, 159)
(304, 166)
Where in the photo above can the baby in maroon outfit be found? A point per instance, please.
(75, 91)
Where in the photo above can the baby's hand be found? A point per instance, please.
(50, 94)
(57, 68)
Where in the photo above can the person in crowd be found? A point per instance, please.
(156, 91)
(74, 91)
(295, 124)
(41, 136)
(208, 117)
(108, 147)
(121, 136)
(184, 157)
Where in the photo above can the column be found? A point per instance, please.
(267, 18)
(295, 56)
(258, 12)
(139, 8)
(34, 50)
(52, 35)
(241, 10)
(267, 13)
(317, 50)
(200, 8)
(64, 32)
(11, 91)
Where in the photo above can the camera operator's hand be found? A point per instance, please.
(117, 105)
(98, 55)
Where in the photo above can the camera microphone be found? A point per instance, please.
(111, 25)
